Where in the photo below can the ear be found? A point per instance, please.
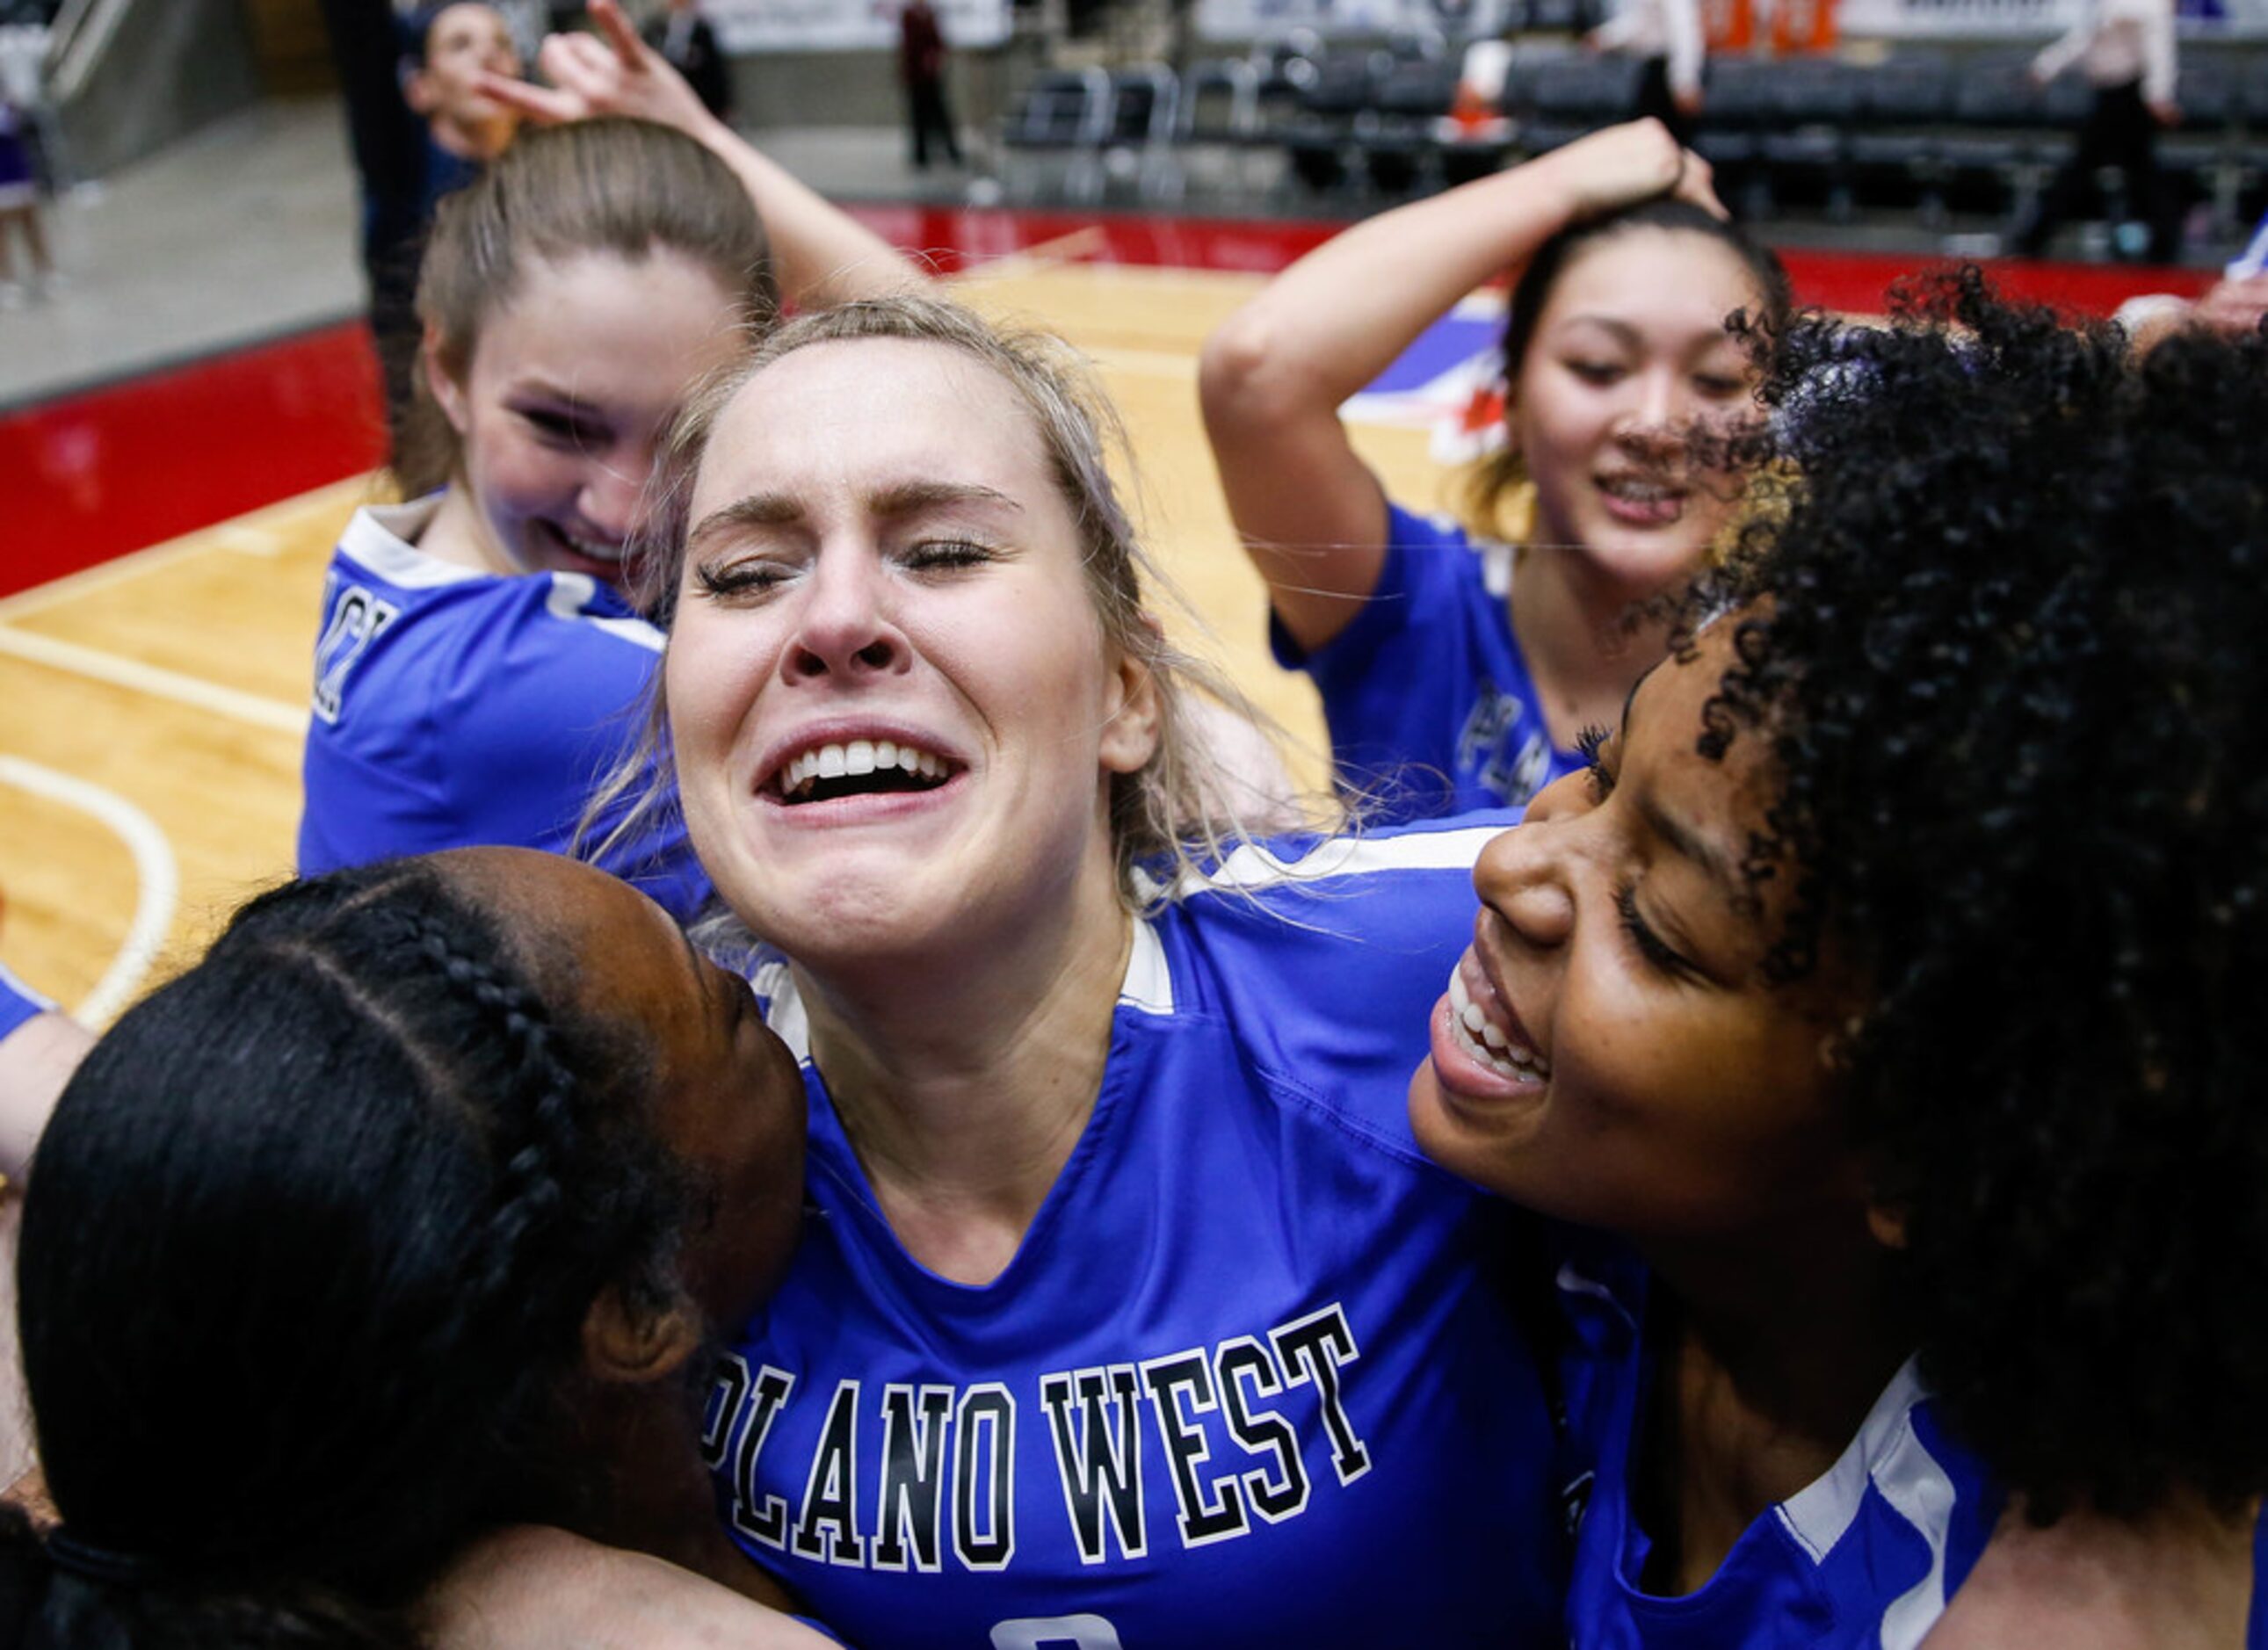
(1887, 1226)
(1129, 735)
(630, 1345)
(420, 94)
(448, 395)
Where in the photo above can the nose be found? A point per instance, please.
(1524, 877)
(844, 628)
(611, 500)
(1657, 411)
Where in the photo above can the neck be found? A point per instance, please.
(459, 533)
(481, 141)
(1583, 643)
(644, 1488)
(964, 1081)
(1777, 1352)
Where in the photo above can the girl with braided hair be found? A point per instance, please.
(394, 1222)
(1890, 990)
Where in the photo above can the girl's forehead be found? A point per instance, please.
(1652, 266)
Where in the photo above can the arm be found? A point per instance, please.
(36, 1060)
(2180, 1579)
(1272, 375)
(533, 1588)
(2158, 61)
(825, 256)
(1682, 22)
(2060, 54)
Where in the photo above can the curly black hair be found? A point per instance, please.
(2008, 639)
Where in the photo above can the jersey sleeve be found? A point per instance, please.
(18, 1002)
(1332, 955)
(1397, 682)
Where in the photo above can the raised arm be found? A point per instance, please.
(825, 256)
(1312, 515)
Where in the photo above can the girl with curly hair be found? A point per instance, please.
(1456, 670)
(1889, 988)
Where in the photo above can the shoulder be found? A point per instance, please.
(1323, 960)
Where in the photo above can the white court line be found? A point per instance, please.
(157, 682)
(159, 879)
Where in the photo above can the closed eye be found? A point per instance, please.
(726, 580)
(945, 555)
(1651, 945)
(1588, 745)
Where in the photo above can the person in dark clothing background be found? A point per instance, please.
(921, 66)
(682, 35)
(419, 129)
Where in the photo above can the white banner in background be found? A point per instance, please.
(2030, 19)
(845, 25)
(1267, 19)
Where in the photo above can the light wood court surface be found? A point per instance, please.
(149, 754)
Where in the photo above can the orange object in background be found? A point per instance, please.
(1802, 26)
(1728, 26)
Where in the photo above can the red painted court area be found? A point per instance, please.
(93, 474)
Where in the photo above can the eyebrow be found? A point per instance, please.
(905, 499)
(1682, 838)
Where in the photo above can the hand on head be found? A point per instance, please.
(612, 72)
(1624, 164)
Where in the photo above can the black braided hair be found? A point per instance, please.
(2009, 667)
(306, 1253)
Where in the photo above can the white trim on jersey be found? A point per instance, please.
(1252, 868)
(571, 593)
(1148, 986)
(17, 984)
(382, 538)
(1890, 1455)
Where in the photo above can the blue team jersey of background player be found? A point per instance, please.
(1428, 700)
(1247, 1380)
(1867, 1555)
(453, 707)
(18, 1002)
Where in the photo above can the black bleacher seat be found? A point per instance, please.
(1737, 106)
(2001, 148)
(1413, 97)
(1321, 143)
(1892, 154)
(1063, 113)
(1816, 103)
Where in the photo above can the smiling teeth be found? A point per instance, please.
(858, 756)
(1486, 1041)
(1641, 492)
(595, 551)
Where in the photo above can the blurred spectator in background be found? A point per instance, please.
(20, 213)
(683, 37)
(1665, 35)
(2125, 48)
(2238, 302)
(921, 66)
(420, 129)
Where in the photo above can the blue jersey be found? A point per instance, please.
(1428, 700)
(18, 1002)
(1247, 1380)
(454, 708)
(1866, 1555)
